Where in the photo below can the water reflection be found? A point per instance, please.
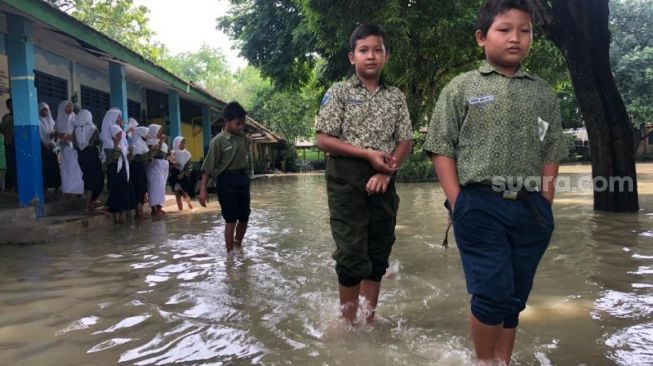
(165, 292)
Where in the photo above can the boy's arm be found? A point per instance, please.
(210, 161)
(555, 149)
(445, 169)
(549, 175)
(442, 140)
(380, 161)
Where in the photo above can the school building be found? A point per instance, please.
(48, 56)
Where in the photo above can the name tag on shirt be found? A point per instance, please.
(227, 148)
(354, 101)
(481, 100)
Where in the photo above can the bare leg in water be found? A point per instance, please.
(241, 229)
(229, 230)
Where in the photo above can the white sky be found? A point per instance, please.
(185, 25)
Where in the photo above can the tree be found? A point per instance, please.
(273, 37)
(119, 19)
(580, 28)
(208, 68)
(631, 51)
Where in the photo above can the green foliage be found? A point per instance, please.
(417, 168)
(272, 36)
(119, 19)
(632, 56)
(631, 25)
(208, 68)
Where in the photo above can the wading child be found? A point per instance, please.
(180, 172)
(492, 128)
(227, 160)
(365, 127)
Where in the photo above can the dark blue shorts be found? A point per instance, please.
(233, 195)
(501, 243)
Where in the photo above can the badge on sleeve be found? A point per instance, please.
(325, 99)
(542, 128)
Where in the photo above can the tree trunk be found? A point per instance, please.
(580, 29)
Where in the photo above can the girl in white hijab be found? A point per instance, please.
(157, 170)
(71, 174)
(87, 142)
(49, 160)
(180, 172)
(141, 157)
(121, 193)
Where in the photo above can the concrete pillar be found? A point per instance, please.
(206, 127)
(118, 88)
(25, 112)
(174, 113)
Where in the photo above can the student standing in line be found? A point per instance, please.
(88, 144)
(157, 170)
(71, 173)
(49, 159)
(180, 172)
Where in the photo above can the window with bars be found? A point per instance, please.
(50, 89)
(134, 110)
(96, 101)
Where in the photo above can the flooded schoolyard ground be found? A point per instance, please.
(162, 293)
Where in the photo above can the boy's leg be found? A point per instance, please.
(241, 229)
(381, 237)
(244, 210)
(349, 228)
(229, 229)
(180, 204)
(529, 240)
(481, 223)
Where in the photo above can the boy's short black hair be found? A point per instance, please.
(365, 30)
(234, 111)
(492, 8)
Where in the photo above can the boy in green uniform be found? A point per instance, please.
(365, 127)
(496, 141)
(227, 160)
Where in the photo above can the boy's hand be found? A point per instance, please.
(378, 184)
(382, 162)
(204, 197)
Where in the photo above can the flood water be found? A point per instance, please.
(162, 293)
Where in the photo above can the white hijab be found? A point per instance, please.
(108, 121)
(153, 137)
(84, 128)
(181, 156)
(140, 147)
(46, 125)
(114, 130)
(64, 124)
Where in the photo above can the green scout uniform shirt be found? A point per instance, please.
(367, 120)
(226, 152)
(497, 128)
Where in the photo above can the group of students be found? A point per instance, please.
(137, 161)
(492, 128)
